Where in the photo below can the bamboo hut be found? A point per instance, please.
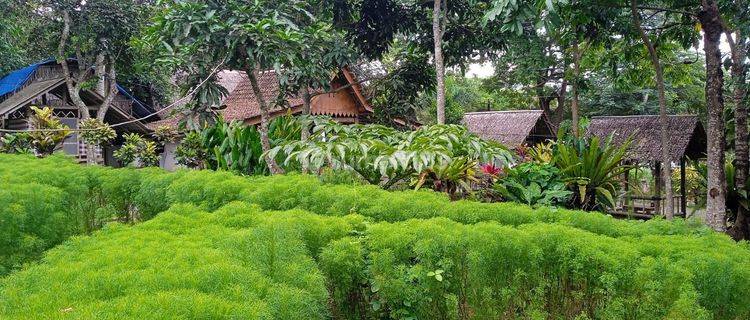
(687, 139)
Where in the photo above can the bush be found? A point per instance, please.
(224, 250)
(32, 220)
(184, 264)
(534, 184)
(91, 196)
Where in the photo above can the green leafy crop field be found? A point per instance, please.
(211, 245)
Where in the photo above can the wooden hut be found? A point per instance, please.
(43, 84)
(511, 128)
(346, 103)
(687, 139)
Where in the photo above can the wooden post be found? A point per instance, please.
(626, 187)
(657, 187)
(683, 189)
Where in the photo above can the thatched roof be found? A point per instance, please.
(686, 135)
(511, 128)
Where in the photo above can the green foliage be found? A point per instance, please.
(33, 220)
(463, 94)
(534, 184)
(591, 170)
(385, 156)
(187, 263)
(454, 177)
(342, 251)
(19, 143)
(196, 37)
(52, 132)
(137, 151)
(165, 134)
(736, 198)
(95, 132)
(190, 152)
(235, 147)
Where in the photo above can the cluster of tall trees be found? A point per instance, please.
(572, 57)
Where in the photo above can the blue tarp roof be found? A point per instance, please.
(17, 79)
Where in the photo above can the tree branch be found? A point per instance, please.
(111, 92)
(73, 86)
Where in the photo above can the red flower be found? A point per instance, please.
(491, 169)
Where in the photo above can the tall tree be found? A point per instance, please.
(96, 33)
(438, 26)
(454, 28)
(737, 31)
(255, 37)
(666, 167)
(711, 25)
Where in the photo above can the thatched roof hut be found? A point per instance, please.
(687, 137)
(511, 128)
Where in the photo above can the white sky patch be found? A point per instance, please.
(486, 69)
(480, 70)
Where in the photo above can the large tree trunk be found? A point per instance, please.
(110, 92)
(666, 168)
(574, 88)
(101, 74)
(716, 193)
(265, 142)
(740, 230)
(437, 33)
(74, 84)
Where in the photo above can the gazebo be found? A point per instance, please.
(687, 139)
(511, 128)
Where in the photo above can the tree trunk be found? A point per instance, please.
(716, 190)
(437, 34)
(265, 142)
(74, 85)
(101, 75)
(304, 124)
(740, 229)
(110, 93)
(306, 110)
(666, 167)
(574, 88)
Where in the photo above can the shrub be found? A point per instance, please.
(182, 264)
(534, 184)
(339, 251)
(32, 220)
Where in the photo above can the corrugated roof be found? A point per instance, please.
(510, 128)
(686, 135)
